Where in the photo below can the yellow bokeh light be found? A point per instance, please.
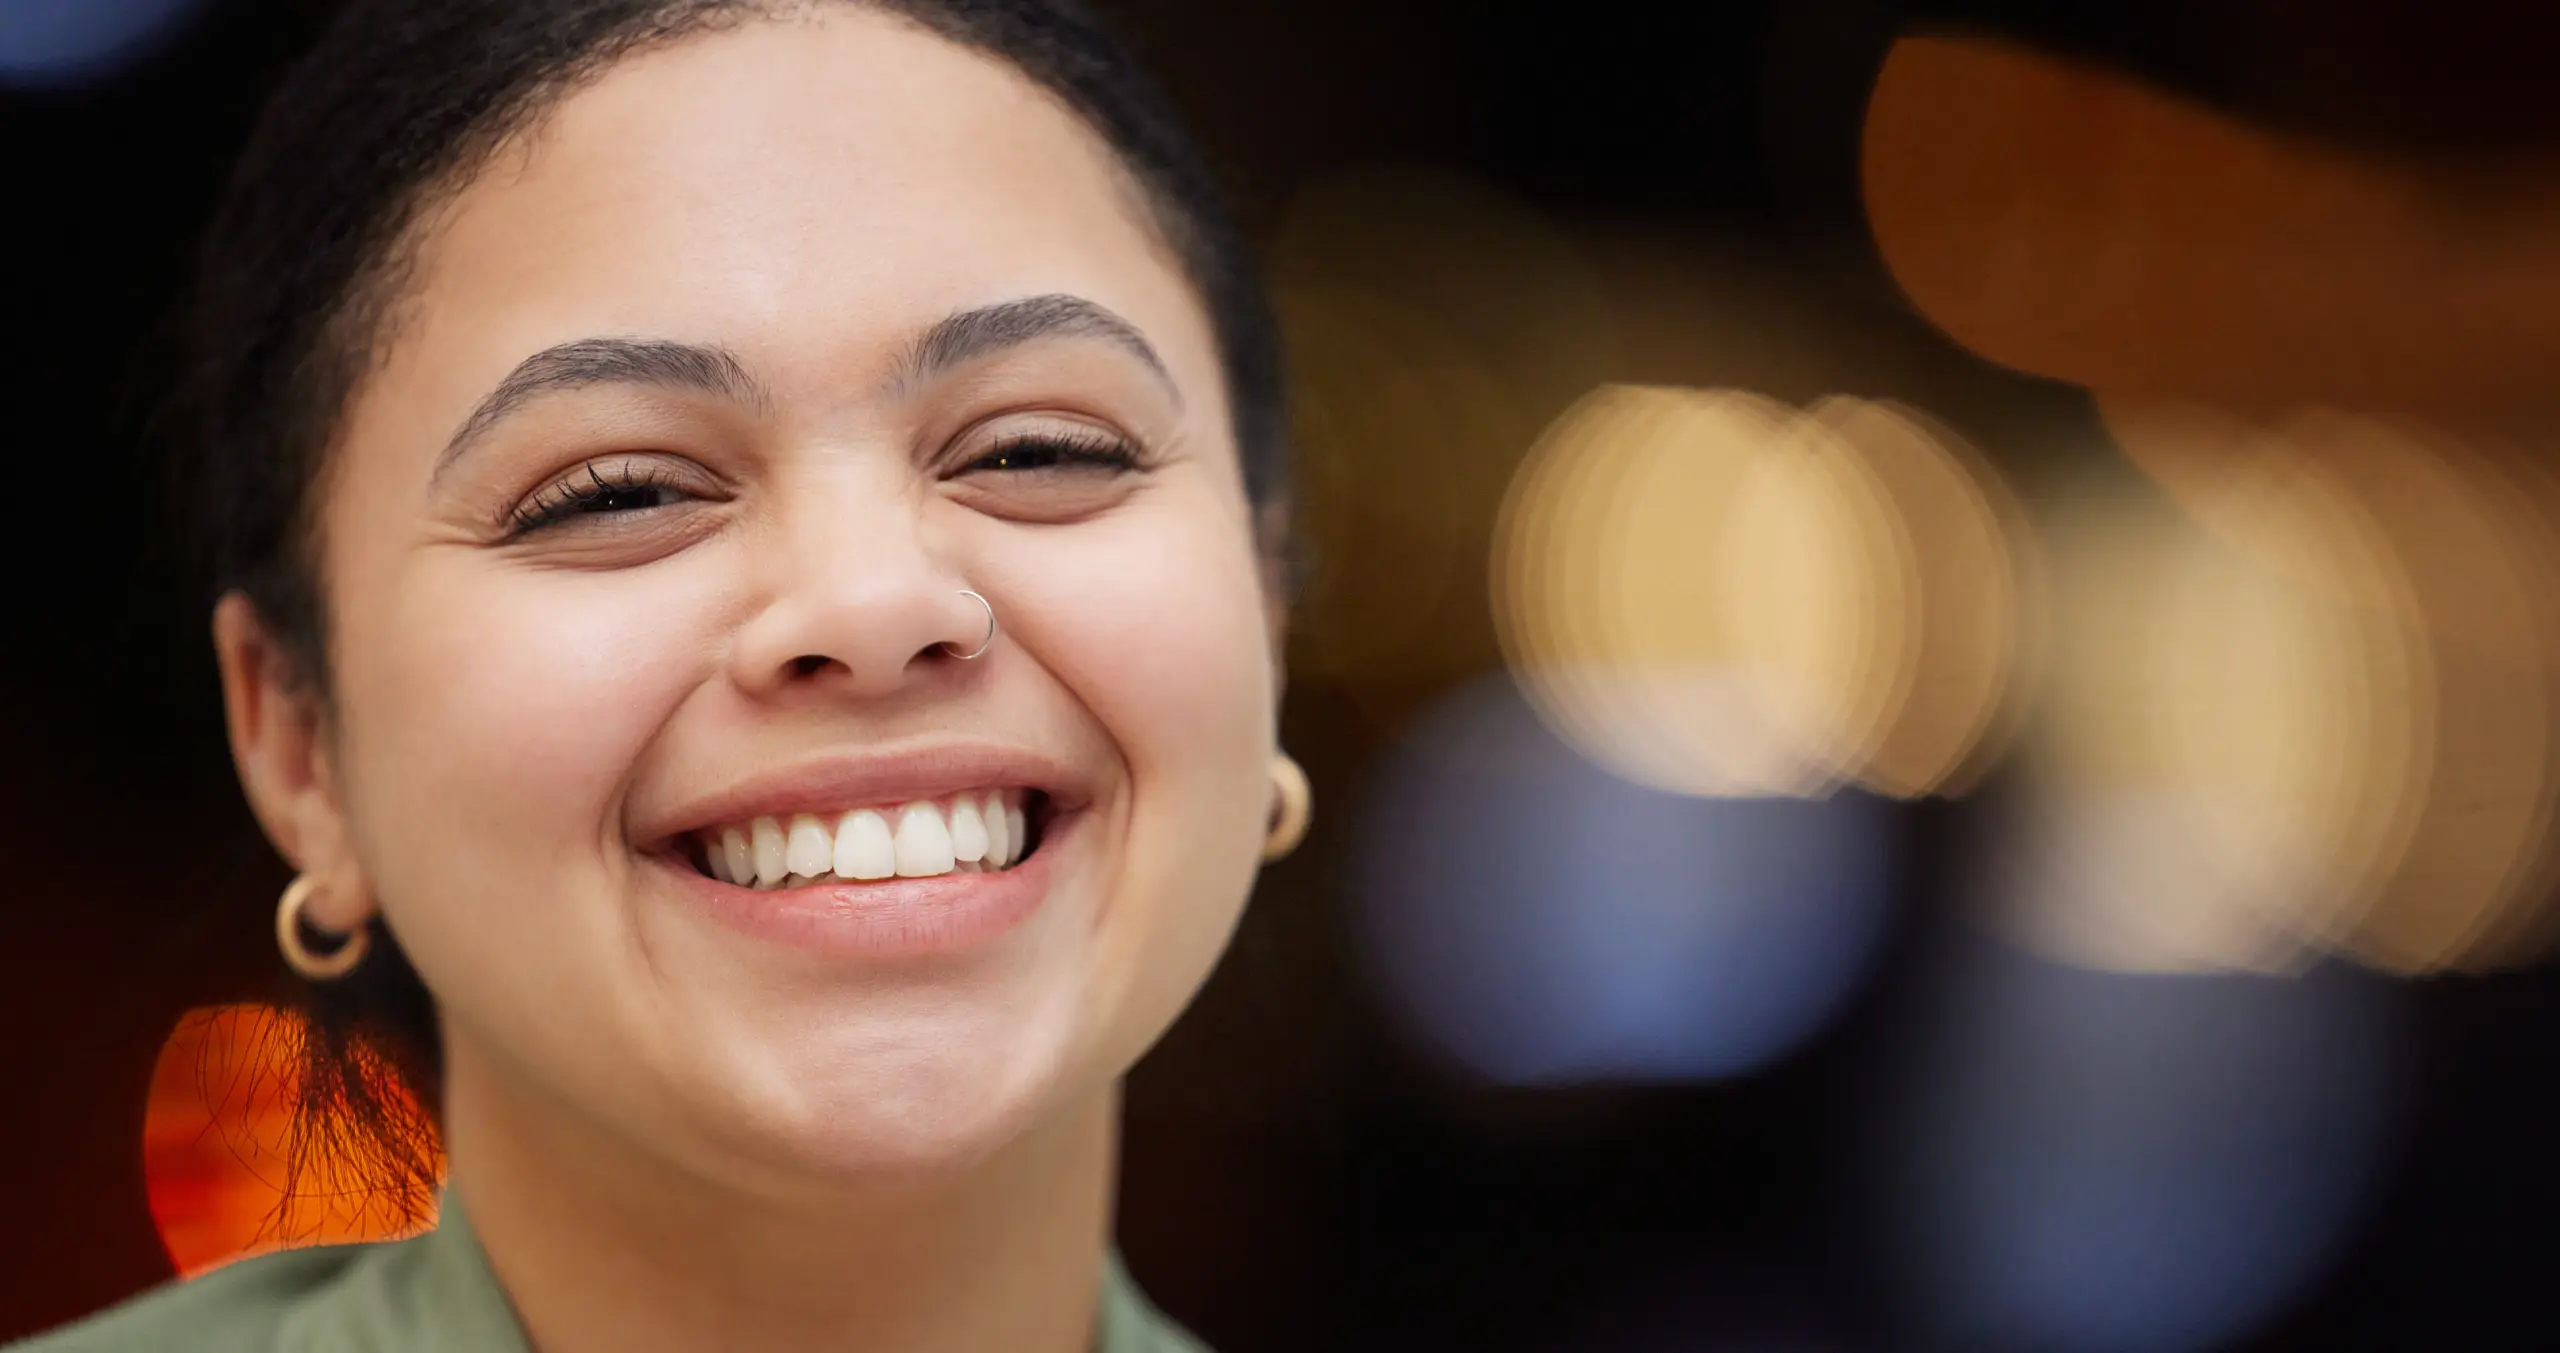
(2482, 807)
(1972, 582)
(2285, 696)
(2324, 664)
(1715, 594)
(1815, 589)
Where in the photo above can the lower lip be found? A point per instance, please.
(889, 919)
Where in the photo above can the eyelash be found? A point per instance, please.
(1092, 449)
(595, 494)
(574, 497)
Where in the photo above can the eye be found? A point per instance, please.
(1054, 473)
(1082, 450)
(597, 489)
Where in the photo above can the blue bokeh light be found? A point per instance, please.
(48, 44)
(2097, 1162)
(1543, 922)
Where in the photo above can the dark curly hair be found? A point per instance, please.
(395, 108)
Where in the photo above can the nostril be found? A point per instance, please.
(809, 664)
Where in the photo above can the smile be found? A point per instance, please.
(976, 831)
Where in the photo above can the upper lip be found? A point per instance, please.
(839, 783)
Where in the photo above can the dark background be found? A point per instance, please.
(1298, 1173)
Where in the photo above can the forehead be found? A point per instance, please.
(807, 190)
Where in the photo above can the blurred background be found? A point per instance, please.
(1931, 665)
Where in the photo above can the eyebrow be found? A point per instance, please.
(706, 369)
(609, 361)
(988, 329)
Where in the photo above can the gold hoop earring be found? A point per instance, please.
(337, 962)
(1293, 804)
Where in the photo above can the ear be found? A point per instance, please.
(280, 744)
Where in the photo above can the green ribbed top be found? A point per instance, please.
(432, 1293)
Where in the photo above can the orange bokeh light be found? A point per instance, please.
(215, 1140)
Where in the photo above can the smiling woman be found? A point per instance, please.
(745, 545)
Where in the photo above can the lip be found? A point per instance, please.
(883, 779)
(904, 918)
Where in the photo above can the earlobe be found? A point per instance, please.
(1292, 805)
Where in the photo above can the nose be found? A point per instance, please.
(856, 601)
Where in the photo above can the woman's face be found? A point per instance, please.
(703, 405)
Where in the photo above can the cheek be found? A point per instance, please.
(1155, 625)
(494, 716)
(1161, 636)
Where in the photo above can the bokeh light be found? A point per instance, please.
(47, 43)
(2088, 1162)
(1973, 582)
(1712, 593)
(2075, 221)
(1433, 325)
(1605, 584)
(215, 1144)
(2190, 679)
(2301, 702)
(1540, 921)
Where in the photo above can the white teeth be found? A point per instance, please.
(978, 832)
(772, 853)
(811, 850)
(968, 831)
(999, 834)
(924, 842)
(863, 847)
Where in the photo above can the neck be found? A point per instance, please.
(602, 1245)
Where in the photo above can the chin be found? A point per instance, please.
(918, 1106)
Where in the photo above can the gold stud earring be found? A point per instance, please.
(1293, 803)
(317, 967)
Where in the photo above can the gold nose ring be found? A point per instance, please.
(991, 629)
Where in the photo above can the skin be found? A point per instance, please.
(669, 1133)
